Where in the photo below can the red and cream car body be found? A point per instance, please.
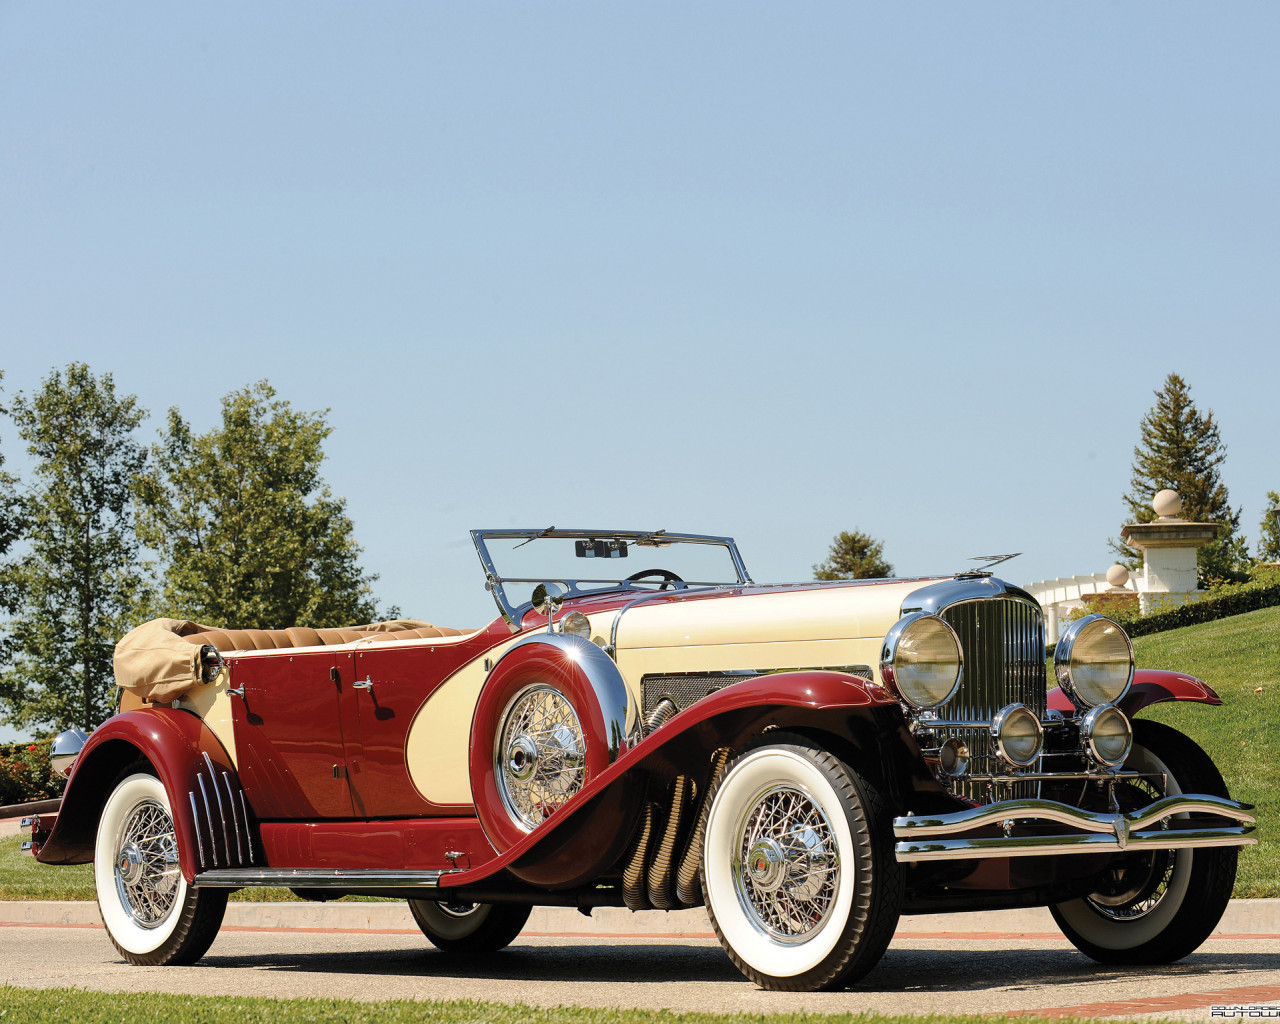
(808, 761)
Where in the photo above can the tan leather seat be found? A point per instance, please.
(302, 636)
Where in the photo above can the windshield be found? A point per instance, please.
(586, 561)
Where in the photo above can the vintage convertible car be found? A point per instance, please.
(809, 761)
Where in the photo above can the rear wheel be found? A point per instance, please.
(798, 869)
(152, 916)
(1155, 908)
(469, 927)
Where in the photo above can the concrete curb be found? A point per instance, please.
(1243, 918)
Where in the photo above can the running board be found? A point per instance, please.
(297, 878)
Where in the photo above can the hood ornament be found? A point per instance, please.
(991, 562)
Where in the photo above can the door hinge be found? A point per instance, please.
(333, 673)
(340, 771)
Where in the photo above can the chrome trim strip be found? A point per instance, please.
(248, 830)
(195, 817)
(222, 814)
(363, 878)
(235, 820)
(919, 826)
(1051, 846)
(213, 839)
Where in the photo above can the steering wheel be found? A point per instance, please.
(666, 575)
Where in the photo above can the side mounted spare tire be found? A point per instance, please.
(554, 714)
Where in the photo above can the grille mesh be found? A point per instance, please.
(1003, 644)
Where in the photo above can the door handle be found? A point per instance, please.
(363, 684)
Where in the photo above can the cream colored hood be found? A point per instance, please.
(820, 626)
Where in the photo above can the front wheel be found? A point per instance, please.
(798, 869)
(469, 927)
(152, 916)
(1155, 908)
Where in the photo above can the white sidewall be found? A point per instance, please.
(754, 773)
(1111, 934)
(123, 928)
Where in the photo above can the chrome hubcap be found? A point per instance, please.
(543, 759)
(146, 864)
(788, 869)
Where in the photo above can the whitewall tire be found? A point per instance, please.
(1156, 907)
(152, 916)
(798, 871)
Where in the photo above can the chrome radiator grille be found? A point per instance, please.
(1003, 644)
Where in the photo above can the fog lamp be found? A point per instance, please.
(576, 624)
(1107, 733)
(1018, 734)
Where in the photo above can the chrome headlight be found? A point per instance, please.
(921, 660)
(1094, 661)
(1107, 733)
(1018, 734)
(576, 624)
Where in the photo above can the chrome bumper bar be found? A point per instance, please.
(364, 878)
(934, 837)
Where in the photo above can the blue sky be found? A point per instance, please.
(760, 269)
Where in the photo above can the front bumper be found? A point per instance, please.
(1021, 824)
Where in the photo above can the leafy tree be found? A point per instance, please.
(1269, 530)
(81, 578)
(853, 556)
(11, 526)
(1180, 448)
(250, 534)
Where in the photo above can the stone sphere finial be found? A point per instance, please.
(1167, 503)
(1118, 576)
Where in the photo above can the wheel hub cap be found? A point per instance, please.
(789, 870)
(146, 864)
(541, 760)
(130, 863)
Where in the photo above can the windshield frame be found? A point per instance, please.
(514, 611)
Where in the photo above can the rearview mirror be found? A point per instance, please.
(600, 548)
(547, 598)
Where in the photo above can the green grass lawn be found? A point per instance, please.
(1235, 656)
(39, 1006)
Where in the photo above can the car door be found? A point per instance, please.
(289, 735)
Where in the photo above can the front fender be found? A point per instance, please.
(1150, 686)
(848, 709)
(210, 814)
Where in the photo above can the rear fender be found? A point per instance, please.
(210, 814)
(1150, 686)
(837, 709)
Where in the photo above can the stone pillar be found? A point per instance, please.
(1168, 546)
(1051, 623)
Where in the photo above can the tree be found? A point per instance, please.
(1180, 448)
(250, 535)
(853, 556)
(80, 581)
(11, 526)
(1269, 530)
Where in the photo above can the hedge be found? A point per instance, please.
(1263, 591)
(25, 773)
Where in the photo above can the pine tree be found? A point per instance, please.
(250, 535)
(1269, 530)
(853, 556)
(1180, 448)
(78, 585)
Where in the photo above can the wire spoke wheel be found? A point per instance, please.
(789, 866)
(152, 915)
(541, 755)
(146, 864)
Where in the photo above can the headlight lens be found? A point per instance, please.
(921, 660)
(1107, 733)
(576, 624)
(1094, 661)
(1018, 734)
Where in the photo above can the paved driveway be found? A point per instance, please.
(929, 973)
